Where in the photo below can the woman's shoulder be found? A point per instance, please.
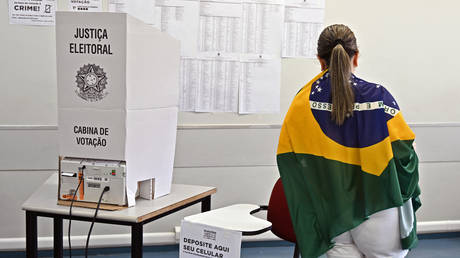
(322, 75)
(370, 91)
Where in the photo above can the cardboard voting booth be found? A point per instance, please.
(118, 95)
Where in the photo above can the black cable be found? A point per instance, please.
(106, 189)
(71, 205)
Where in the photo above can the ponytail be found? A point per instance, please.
(343, 96)
(336, 46)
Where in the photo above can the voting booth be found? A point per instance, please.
(117, 105)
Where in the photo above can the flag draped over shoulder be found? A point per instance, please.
(335, 177)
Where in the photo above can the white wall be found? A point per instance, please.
(408, 46)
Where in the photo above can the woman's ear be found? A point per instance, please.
(355, 60)
(322, 62)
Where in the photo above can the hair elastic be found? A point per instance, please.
(338, 41)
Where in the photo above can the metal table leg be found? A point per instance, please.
(206, 204)
(136, 240)
(31, 234)
(57, 239)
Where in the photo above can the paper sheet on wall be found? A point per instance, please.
(220, 27)
(180, 19)
(85, 5)
(209, 84)
(302, 25)
(262, 28)
(307, 3)
(117, 6)
(32, 12)
(140, 9)
(259, 89)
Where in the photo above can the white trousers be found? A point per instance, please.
(377, 237)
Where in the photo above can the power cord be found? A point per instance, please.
(106, 189)
(71, 205)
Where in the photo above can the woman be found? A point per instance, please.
(346, 160)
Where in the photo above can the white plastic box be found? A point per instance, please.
(118, 94)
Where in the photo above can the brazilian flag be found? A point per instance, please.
(335, 177)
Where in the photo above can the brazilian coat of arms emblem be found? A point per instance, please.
(91, 83)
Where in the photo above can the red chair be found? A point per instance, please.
(278, 215)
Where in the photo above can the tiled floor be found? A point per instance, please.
(427, 248)
(437, 248)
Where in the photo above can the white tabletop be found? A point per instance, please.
(45, 200)
(235, 217)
